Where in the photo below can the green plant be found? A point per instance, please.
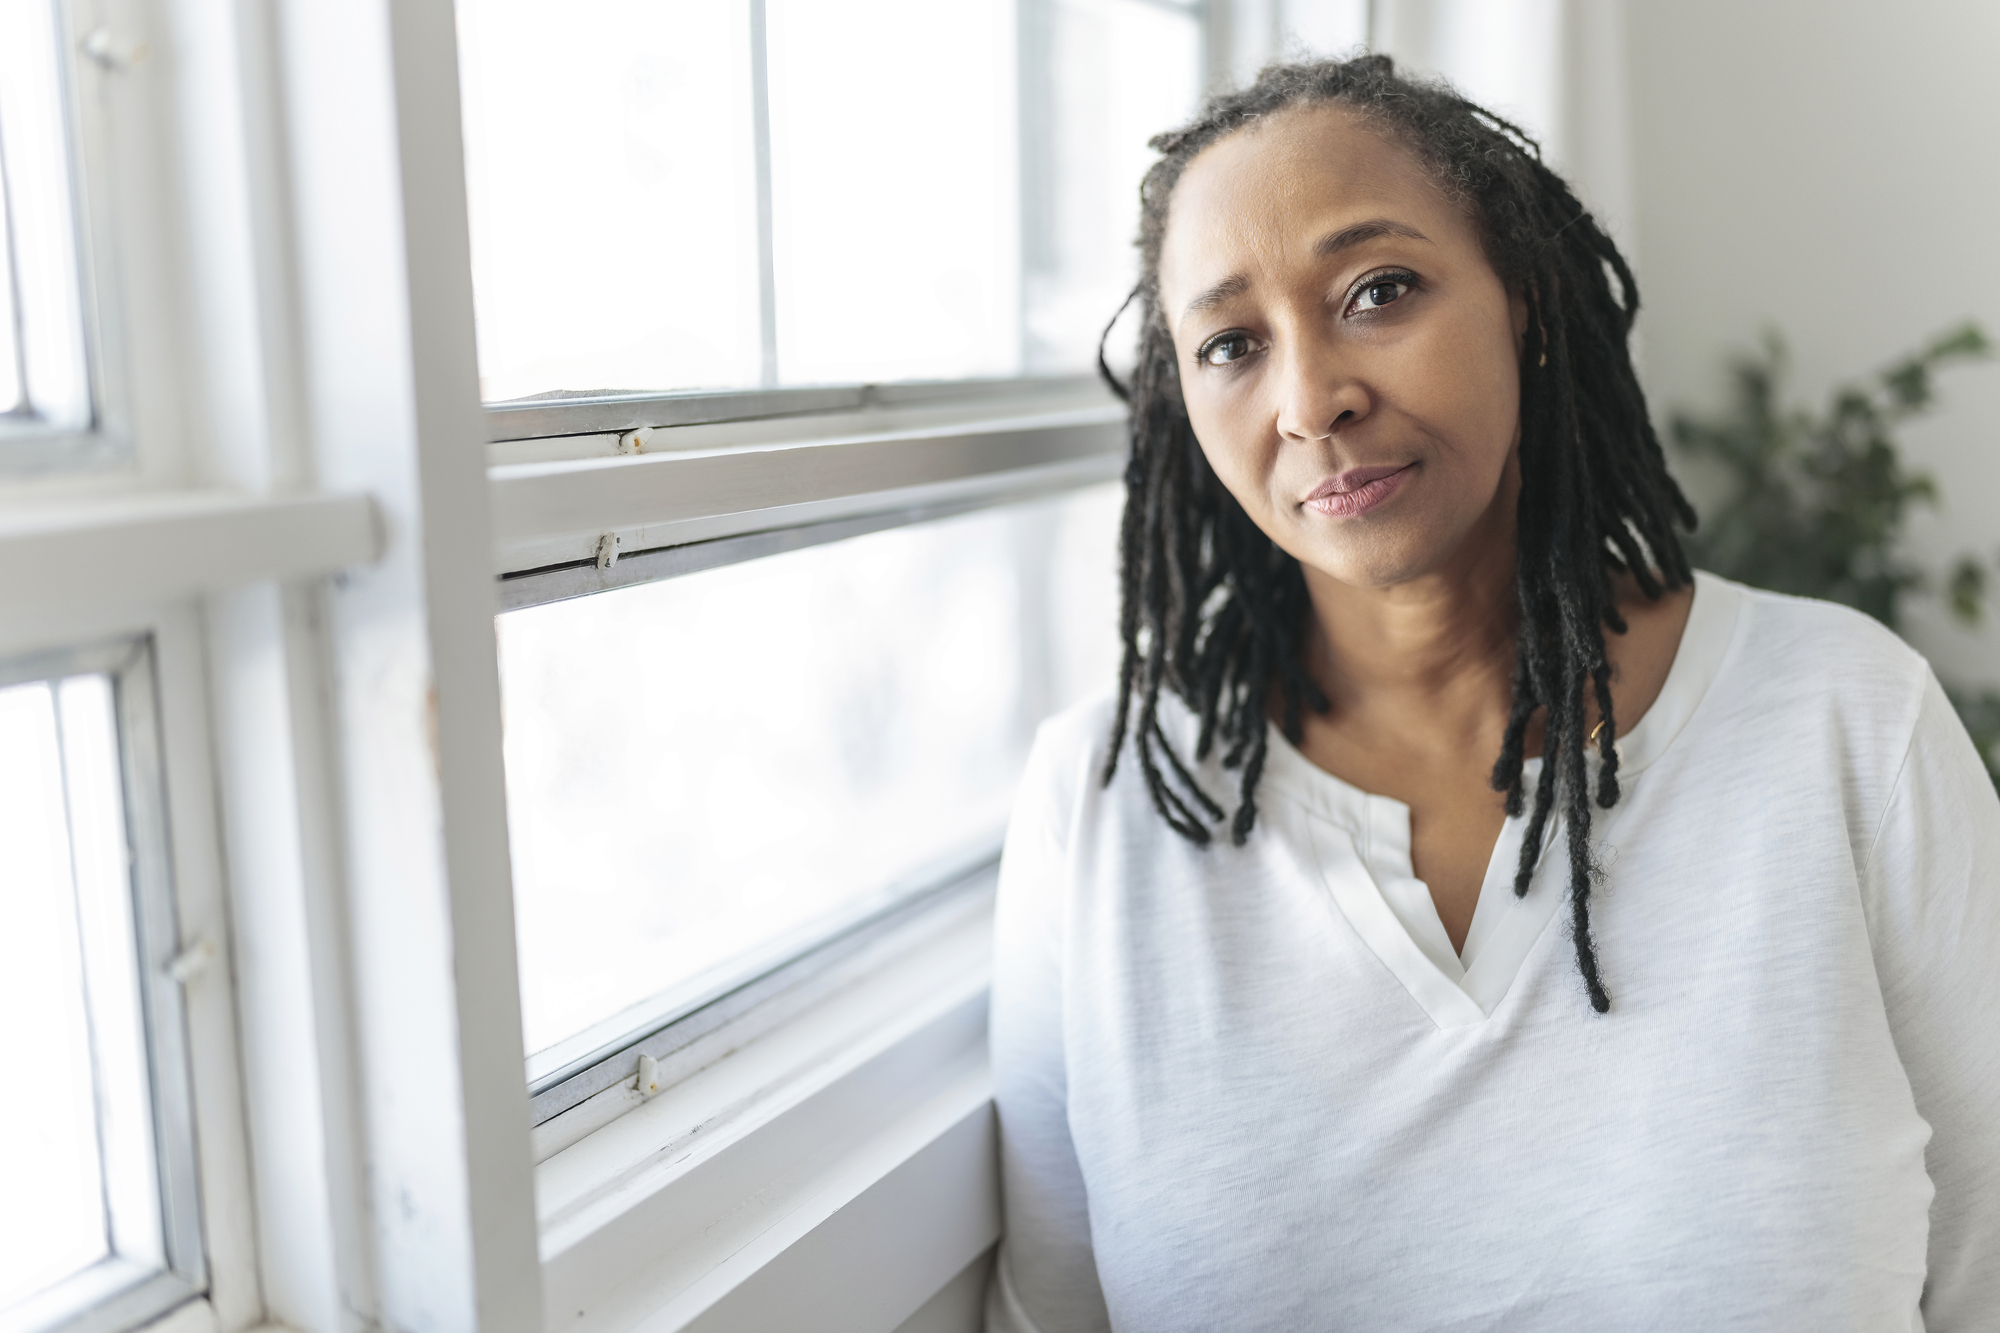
(1815, 503)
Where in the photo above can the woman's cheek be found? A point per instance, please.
(1234, 466)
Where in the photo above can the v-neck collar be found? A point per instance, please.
(1361, 843)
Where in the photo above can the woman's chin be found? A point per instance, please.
(1375, 561)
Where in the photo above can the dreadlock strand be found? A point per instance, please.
(1168, 802)
(1607, 742)
(1582, 874)
(1187, 779)
(1246, 810)
(1536, 833)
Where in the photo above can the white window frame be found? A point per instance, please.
(310, 527)
(29, 449)
(155, 654)
(123, 1289)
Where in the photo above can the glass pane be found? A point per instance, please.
(1118, 72)
(894, 189)
(44, 377)
(610, 171)
(81, 1146)
(699, 767)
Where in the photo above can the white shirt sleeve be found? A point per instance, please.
(1932, 883)
(1046, 1277)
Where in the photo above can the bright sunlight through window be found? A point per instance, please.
(670, 195)
(82, 1147)
(701, 767)
(44, 377)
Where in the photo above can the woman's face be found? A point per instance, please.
(1349, 358)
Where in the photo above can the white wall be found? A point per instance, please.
(1830, 167)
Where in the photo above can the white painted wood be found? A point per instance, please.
(959, 1306)
(134, 229)
(301, 1088)
(196, 1316)
(547, 513)
(834, 999)
(868, 1264)
(276, 768)
(585, 1191)
(208, 998)
(377, 182)
(148, 548)
(845, 1160)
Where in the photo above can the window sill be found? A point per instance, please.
(112, 1294)
(833, 1174)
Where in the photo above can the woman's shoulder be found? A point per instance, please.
(1071, 787)
(1814, 678)
(1080, 732)
(1820, 647)
(1070, 750)
(1832, 623)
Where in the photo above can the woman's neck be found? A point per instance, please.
(1431, 655)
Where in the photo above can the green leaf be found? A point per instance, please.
(1817, 501)
(1966, 590)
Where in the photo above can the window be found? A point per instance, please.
(97, 1131)
(893, 229)
(1095, 70)
(45, 391)
(759, 193)
(784, 310)
(712, 774)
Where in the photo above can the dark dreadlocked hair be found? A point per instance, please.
(1213, 610)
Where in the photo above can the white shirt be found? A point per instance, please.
(1252, 1088)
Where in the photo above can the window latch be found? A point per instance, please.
(192, 961)
(109, 51)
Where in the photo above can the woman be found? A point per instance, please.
(1353, 1065)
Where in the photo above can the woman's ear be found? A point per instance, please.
(1517, 307)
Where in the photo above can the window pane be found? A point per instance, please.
(82, 1146)
(950, 187)
(1118, 72)
(44, 377)
(894, 194)
(610, 170)
(699, 767)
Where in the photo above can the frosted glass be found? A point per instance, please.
(44, 371)
(699, 766)
(915, 234)
(896, 207)
(48, 1141)
(610, 172)
(1119, 72)
(13, 383)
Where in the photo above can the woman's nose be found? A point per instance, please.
(1318, 393)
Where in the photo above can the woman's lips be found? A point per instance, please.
(1357, 490)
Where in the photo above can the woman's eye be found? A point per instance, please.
(1381, 292)
(1224, 348)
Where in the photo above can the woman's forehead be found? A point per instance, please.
(1284, 182)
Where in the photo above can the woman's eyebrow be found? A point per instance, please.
(1210, 297)
(1331, 244)
(1335, 242)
